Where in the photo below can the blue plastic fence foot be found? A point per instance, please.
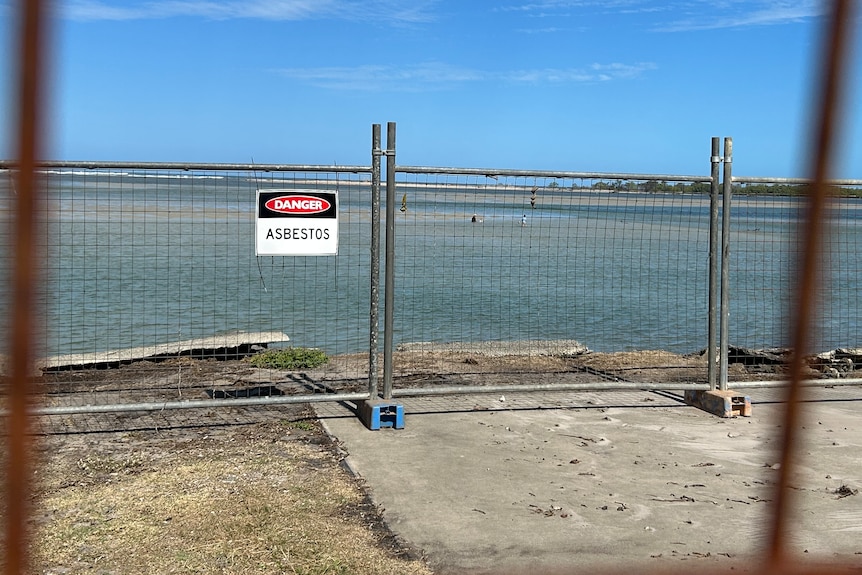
(378, 413)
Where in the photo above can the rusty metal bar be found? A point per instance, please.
(825, 123)
(25, 259)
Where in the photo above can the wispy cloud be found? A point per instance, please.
(592, 73)
(618, 71)
(548, 30)
(680, 15)
(556, 7)
(89, 10)
(378, 10)
(744, 14)
(424, 76)
(439, 76)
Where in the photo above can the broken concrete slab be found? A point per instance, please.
(226, 346)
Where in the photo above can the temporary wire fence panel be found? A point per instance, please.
(765, 247)
(139, 259)
(145, 258)
(613, 265)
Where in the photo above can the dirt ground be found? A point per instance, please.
(110, 489)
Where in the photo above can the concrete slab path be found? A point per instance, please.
(610, 480)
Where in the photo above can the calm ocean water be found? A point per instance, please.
(135, 260)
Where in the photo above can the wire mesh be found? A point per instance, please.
(610, 265)
(765, 246)
(146, 257)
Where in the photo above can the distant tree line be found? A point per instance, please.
(792, 190)
(662, 187)
(652, 187)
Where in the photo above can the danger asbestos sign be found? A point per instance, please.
(296, 223)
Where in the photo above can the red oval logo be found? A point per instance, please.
(297, 205)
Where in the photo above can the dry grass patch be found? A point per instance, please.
(227, 506)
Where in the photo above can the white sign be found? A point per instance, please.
(296, 223)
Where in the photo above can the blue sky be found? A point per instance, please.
(635, 86)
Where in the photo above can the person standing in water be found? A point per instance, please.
(524, 220)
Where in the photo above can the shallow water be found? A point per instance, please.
(135, 260)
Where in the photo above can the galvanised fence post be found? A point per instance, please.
(715, 160)
(727, 185)
(389, 287)
(374, 314)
